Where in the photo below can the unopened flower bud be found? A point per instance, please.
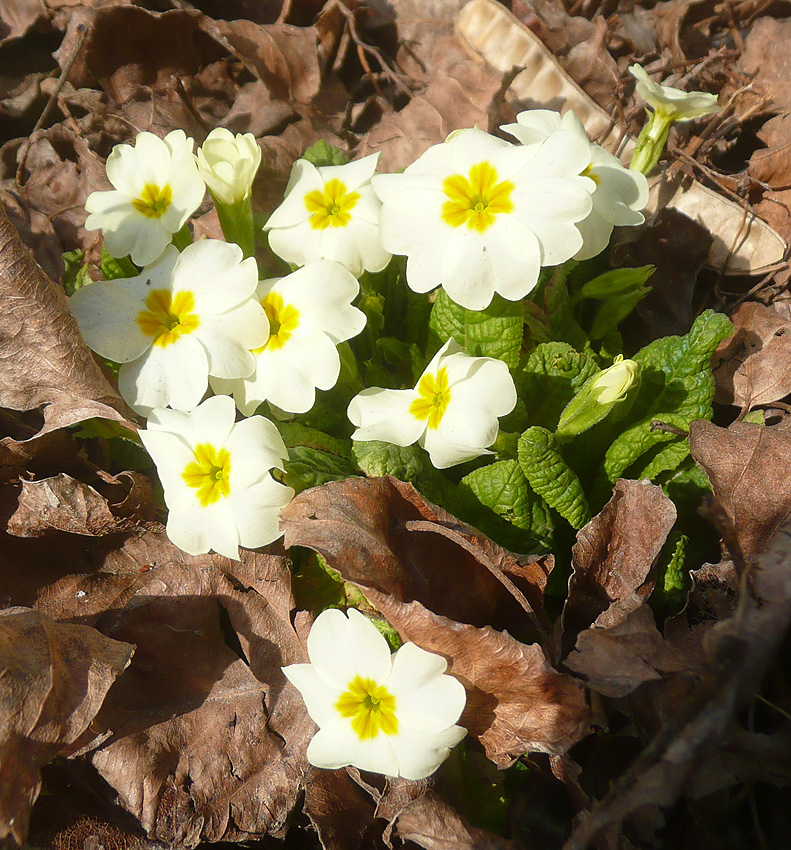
(228, 164)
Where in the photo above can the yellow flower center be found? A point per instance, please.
(154, 200)
(476, 200)
(209, 474)
(283, 321)
(168, 316)
(331, 207)
(371, 707)
(434, 398)
(588, 172)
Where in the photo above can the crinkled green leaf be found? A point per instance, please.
(674, 579)
(294, 434)
(308, 467)
(493, 332)
(549, 378)
(551, 477)
(76, 274)
(323, 153)
(114, 267)
(558, 308)
(676, 387)
(503, 489)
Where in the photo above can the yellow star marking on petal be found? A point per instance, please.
(588, 172)
(283, 321)
(434, 398)
(168, 316)
(477, 199)
(332, 207)
(209, 474)
(154, 200)
(371, 707)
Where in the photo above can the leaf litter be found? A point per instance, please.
(154, 677)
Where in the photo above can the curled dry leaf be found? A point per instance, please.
(340, 811)
(44, 361)
(18, 16)
(516, 702)
(380, 533)
(615, 553)
(54, 680)
(743, 244)
(747, 466)
(615, 659)
(737, 653)
(754, 365)
(61, 503)
(208, 737)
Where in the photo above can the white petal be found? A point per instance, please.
(214, 271)
(534, 125)
(197, 529)
(304, 179)
(595, 232)
(256, 447)
(320, 698)
(482, 382)
(444, 454)
(419, 754)
(256, 511)
(171, 454)
(352, 174)
(382, 414)
(106, 312)
(213, 421)
(337, 745)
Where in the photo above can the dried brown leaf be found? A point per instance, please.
(516, 702)
(54, 680)
(753, 366)
(209, 737)
(44, 361)
(340, 811)
(615, 553)
(18, 16)
(615, 659)
(765, 59)
(61, 503)
(747, 465)
(362, 526)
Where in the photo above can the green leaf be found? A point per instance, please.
(558, 308)
(551, 477)
(674, 580)
(550, 377)
(294, 434)
(676, 387)
(76, 274)
(323, 153)
(614, 311)
(308, 467)
(115, 267)
(493, 332)
(616, 282)
(502, 488)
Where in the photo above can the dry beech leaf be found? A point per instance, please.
(753, 366)
(209, 737)
(737, 653)
(431, 823)
(615, 552)
(340, 811)
(743, 244)
(747, 466)
(381, 533)
(44, 361)
(616, 659)
(54, 680)
(18, 16)
(63, 504)
(765, 60)
(516, 702)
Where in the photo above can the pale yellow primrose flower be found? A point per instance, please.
(618, 195)
(391, 714)
(157, 188)
(229, 164)
(613, 383)
(671, 103)
(330, 213)
(309, 312)
(215, 474)
(478, 215)
(185, 317)
(452, 412)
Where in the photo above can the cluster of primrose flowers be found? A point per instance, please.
(202, 344)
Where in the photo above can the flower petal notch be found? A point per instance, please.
(185, 317)
(392, 714)
(619, 193)
(157, 188)
(479, 215)
(309, 313)
(330, 213)
(452, 412)
(216, 476)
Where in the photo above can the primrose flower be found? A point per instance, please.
(215, 474)
(309, 313)
(330, 213)
(185, 317)
(391, 714)
(452, 412)
(671, 103)
(619, 193)
(157, 188)
(479, 215)
(229, 164)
